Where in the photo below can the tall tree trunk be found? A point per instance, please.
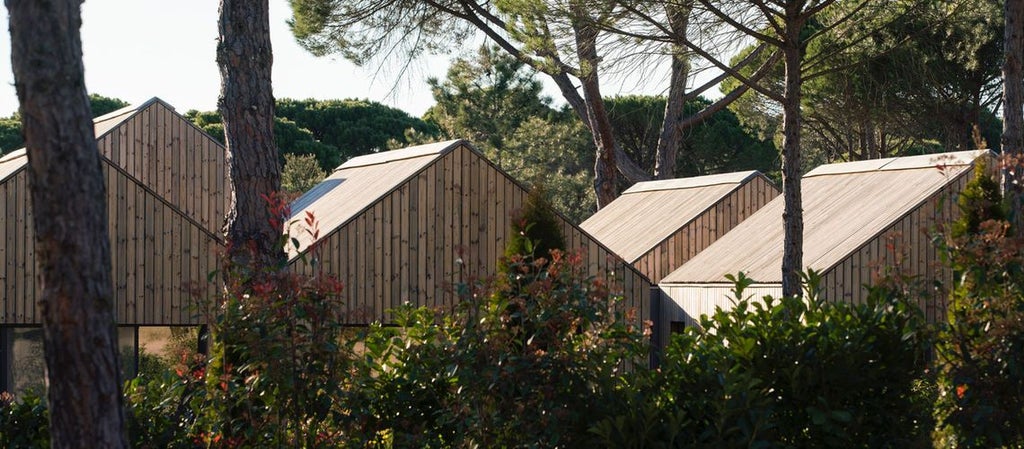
(872, 144)
(70, 219)
(675, 104)
(626, 166)
(1013, 111)
(793, 216)
(601, 127)
(247, 106)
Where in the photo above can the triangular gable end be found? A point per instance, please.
(659, 225)
(161, 149)
(445, 222)
(860, 218)
(164, 151)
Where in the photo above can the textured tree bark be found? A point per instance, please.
(601, 127)
(626, 166)
(870, 136)
(1013, 111)
(70, 220)
(793, 215)
(247, 106)
(675, 104)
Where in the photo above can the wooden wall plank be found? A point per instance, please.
(386, 253)
(12, 202)
(5, 241)
(23, 311)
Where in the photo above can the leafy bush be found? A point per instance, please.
(786, 372)
(496, 375)
(24, 422)
(276, 363)
(981, 352)
(535, 229)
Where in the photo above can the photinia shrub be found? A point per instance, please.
(981, 351)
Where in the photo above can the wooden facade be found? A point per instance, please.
(166, 196)
(403, 226)
(860, 219)
(659, 225)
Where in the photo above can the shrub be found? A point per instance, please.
(981, 352)
(786, 372)
(536, 229)
(276, 362)
(24, 422)
(493, 375)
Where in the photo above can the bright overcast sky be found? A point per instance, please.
(138, 49)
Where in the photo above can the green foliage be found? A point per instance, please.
(981, 200)
(981, 354)
(718, 145)
(536, 230)
(275, 367)
(353, 127)
(300, 173)
(559, 155)
(786, 373)
(10, 127)
(917, 83)
(539, 356)
(159, 409)
(366, 30)
(24, 422)
(527, 360)
(10, 135)
(486, 99)
(101, 105)
(333, 131)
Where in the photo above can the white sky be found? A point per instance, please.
(138, 49)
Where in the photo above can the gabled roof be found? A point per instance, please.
(11, 162)
(358, 183)
(845, 206)
(649, 212)
(14, 161)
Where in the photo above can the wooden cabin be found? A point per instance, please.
(860, 218)
(659, 225)
(403, 226)
(166, 195)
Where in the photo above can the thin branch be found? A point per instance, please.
(732, 95)
(741, 27)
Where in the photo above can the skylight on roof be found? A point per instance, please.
(314, 194)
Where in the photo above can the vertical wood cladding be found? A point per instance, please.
(165, 203)
(698, 234)
(447, 224)
(174, 159)
(904, 248)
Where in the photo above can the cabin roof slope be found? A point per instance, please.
(845, 206)
(649, 212)
(358, 184)
(11, 162)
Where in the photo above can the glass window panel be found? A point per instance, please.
(28, 367)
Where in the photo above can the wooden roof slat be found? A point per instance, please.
(845, 206)
(649, 212)
(358, 184)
